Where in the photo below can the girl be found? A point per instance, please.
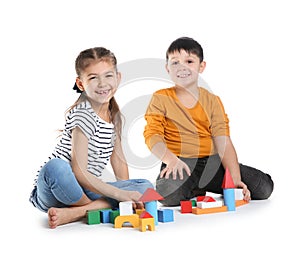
(70, 183)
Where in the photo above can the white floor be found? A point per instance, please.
(261, 229)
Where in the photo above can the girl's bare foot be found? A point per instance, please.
(61, 216)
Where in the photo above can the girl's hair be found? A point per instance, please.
(187, 44)
(85, 59)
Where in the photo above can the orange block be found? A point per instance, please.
(240, 203)
(198, 211)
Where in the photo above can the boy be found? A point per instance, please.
(188, 130)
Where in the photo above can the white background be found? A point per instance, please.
(252, 54)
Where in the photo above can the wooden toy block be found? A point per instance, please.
(199, 211)
(238, 194)
(227, 180)
(112, 215)
(229, 199)
(105, 215)
(186, 206)
(132, 219)
(151, 207)
(93, 217)
(205, 198)
(151, 195)
(240, 203)
(211, 204)
(165, 215)
(139, 211)
(194, 203)
(150, 198)
(147, 223)
(228, 191)
(125, 208)
(145, 215)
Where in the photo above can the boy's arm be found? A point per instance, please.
(154, 138)
(174, 164)
(229, 160)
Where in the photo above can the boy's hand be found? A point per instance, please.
(174, 167)
(246, 192)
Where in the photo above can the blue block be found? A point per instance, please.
(229, 199)
(165, 215)
(151, 207)
(105, 215)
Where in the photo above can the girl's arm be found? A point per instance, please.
(229, 160)
(118, 161)
(79, 160)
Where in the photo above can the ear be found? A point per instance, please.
(166, 66)
(119, 77)
(79, 84)
(202, 66)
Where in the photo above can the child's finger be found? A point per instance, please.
(187, 169)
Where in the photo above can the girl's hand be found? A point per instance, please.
(133, 196)
(174, 167)
(246, 192)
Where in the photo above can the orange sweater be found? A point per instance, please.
(186, 132)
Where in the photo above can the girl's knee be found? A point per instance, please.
(56, 169)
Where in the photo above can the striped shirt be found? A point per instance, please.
(100, 134)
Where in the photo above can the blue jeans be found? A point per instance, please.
(58, 187)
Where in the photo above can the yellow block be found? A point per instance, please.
(133, 219)
(144, 222)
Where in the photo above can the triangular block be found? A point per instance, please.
(145, 214)
(151, 195)
(227, 180)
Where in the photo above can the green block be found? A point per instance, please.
(112, 215)
(93, 217)
(194, 203)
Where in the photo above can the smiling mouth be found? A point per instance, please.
(103, 92)
(183, 75)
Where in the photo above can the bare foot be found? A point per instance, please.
(60, 216)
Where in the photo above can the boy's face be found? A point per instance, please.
(184, 68)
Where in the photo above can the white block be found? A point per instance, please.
(238, 194)
(211, 204)
(125, 208)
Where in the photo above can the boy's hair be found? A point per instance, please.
(187, 44)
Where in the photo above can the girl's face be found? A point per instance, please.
(100, 82)
(184, 68)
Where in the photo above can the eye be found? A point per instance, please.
(190, 61)
(92, 78)
(175, 63)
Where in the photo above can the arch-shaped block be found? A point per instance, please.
(144, 222)
(132, 219)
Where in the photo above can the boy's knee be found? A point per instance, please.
(171, 200)
(265, 189)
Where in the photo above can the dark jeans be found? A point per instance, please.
(207, 175)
